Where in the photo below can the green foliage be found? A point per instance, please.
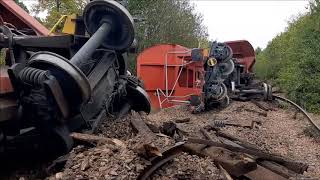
(258, 50)
(2, 56)
(291, 59)
(21, 5)
(161, 21)
(167, 21)
(57, 8)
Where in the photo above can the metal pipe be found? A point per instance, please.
(175, 83)
(249, 91)
(158, 94)
(233, 86)
(180, 101)
(166, 74)
(91, 45)
(181, 96)
(166, 67)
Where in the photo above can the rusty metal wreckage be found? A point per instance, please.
(221, 78)
(203, 79)
(67, 83)
(54, 85)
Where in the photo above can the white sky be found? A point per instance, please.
(256, 21)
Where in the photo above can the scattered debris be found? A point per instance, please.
(263, 173)
(183, 120)
(148, 151)
(225, 153)
(139, 125)
(265, 114)
(158, 162)
(221, 124)
(258, 104)
(226, 175)
(97, 139)
(208, 136)
(169, 128)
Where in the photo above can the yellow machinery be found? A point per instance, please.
(69, 27)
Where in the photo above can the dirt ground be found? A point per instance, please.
(281, 132)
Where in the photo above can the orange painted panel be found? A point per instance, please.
(151, 69)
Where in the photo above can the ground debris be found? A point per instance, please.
(97, 139)
(278, 133)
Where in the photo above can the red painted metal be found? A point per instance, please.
(11, 13)
(244, 53)
(151, 68)
(14, 14)
(5, 84)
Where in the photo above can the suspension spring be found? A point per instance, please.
(33, 76)
(219, 123)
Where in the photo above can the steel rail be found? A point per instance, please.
(299, 108)
(158, 162)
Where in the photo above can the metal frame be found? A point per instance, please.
(167, 96)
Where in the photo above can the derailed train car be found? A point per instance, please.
(174, 74)
(53, 85)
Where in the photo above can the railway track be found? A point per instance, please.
(175, 151)
(313, 123)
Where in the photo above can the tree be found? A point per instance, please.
(57, 8)
(167, 21)
(161, 21)
(291, 59)
(258, 51)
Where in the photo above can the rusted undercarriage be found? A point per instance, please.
(53, 85)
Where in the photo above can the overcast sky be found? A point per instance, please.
(256, 21)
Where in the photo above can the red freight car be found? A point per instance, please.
(171, 76)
